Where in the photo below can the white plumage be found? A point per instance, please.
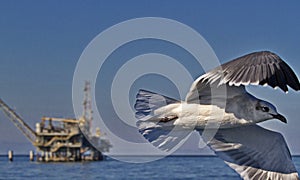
(219, 97)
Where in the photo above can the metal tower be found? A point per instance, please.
(87, 108)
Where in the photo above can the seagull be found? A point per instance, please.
(219, 98)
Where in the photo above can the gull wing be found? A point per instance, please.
(206, 93)
(254, 152)
(156, 121)
(258, 68)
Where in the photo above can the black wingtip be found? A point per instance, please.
(260, 67)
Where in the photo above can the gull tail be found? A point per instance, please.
(156, 120)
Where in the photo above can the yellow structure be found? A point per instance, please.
(62, 139)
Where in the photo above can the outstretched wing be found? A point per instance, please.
(258, 68)
(254, 152)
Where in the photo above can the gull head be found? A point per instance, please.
(265, 111)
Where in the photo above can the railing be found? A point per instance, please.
(56, 138)
(60, 145)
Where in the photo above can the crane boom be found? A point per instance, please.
(18, 121)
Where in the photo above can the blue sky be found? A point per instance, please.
(41, 42)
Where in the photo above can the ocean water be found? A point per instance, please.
(173, 167)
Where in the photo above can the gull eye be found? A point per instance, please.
(265, 109)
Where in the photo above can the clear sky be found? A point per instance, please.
(41, 42)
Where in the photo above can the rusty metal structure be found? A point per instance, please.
(63, 139)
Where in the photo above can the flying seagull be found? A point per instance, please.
(220, 97)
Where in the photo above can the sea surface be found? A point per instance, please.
(173, 167)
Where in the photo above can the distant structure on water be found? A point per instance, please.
(63, 139)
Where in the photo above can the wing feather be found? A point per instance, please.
(259, 76)
(264, 70)
(252, 78)
(271, 76)
(281, 78)
(254, 152)
(239, 74)
(256, 68)
(290, 77)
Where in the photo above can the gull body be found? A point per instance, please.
(239, 111)
(218, 100)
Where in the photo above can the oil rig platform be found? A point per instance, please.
(63, 139)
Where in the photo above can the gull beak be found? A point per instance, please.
(280, 117)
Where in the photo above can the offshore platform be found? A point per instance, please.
(63, 139)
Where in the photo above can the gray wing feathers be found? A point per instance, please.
(205, 93)
(162, 134)
(147, 102)
(254, 152)
(256, 68)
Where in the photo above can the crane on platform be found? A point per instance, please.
(18, 121)
(63, 139)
